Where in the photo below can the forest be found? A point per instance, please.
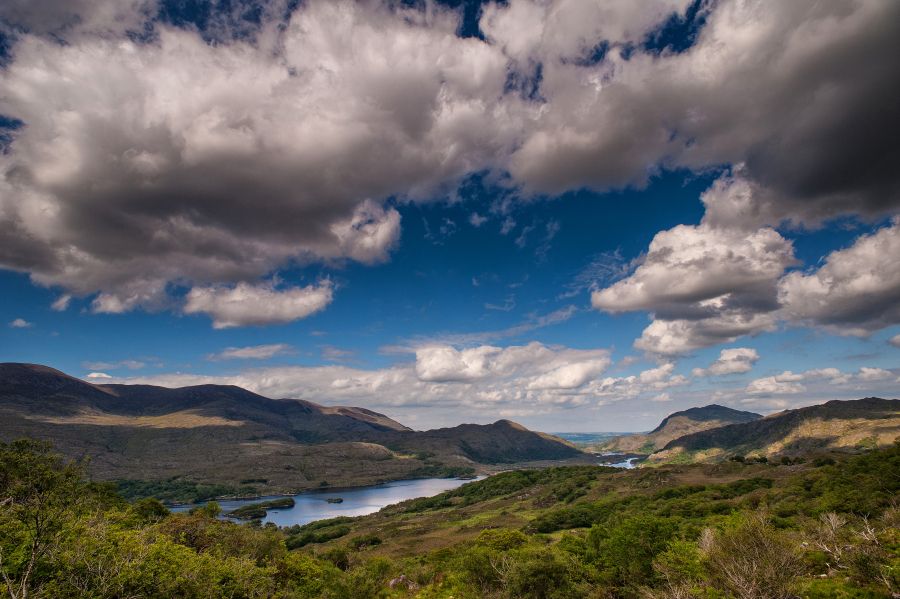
(825, 526)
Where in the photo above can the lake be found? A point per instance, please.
(360, 501)
(313, 505)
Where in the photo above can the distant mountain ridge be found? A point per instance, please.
(223, 433)
(677, 425)
(861, 423)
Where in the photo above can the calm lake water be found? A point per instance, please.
(313, 505)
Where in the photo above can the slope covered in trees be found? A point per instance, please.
(826, 527)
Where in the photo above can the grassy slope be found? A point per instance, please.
(519, 499)
(869, 422)
(678, 425)
(219, 435)
(555, 507)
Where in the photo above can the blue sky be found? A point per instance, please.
(470, 234)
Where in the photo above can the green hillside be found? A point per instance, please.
(677, 425)
(838, 425)
(823, 527)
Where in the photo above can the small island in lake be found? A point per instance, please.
(335, 500)
(257, 511)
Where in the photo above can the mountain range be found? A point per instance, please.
(678, 424)
(227, 435)
(835, 425)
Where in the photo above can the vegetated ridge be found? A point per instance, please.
(835, 425)
(226, 435)
(677, 425)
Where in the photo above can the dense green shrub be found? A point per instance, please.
(625, 549)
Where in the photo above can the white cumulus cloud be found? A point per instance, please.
(856, 291)
(734, 360)
(263, 304)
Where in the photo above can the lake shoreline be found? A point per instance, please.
(311, 490)
(311, 506)
(483, 472)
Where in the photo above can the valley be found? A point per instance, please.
(347, 503)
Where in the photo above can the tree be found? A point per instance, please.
(38, 494)
(752, 560)
(625, 550)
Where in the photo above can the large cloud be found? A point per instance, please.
(672, 337)
(543, 367)
(705, 284)
(800, 93)
(726, 278)
(689, 266)
(193, 163)
(144, 165)
(856, 291)
(246, 304)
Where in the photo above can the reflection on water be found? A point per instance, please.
(313, 505)
(616, 460)
(627, 464)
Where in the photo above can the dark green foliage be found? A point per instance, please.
(320, 531)
(506, 483)
(364, 541)
(689, 501)
(501, 539)
(738, 488)
(624, 550)
(254, 511)
(541, 574)
(338, 556)
(438, 470)
(179, 491)
(210, 509)
(149, 510)
(319, 536)
(580, 515)
(318, 525)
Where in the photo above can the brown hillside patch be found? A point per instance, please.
(839, 433)
(182, 419)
